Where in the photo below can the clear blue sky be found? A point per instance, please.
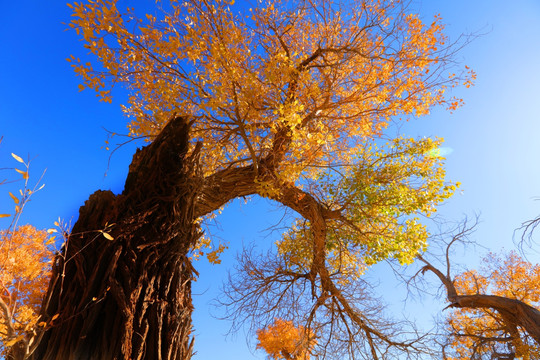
(494, 137)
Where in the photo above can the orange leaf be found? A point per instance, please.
(15, 199)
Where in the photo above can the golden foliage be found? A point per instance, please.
(25, 264)
(283, 340)
(482, 331)
(315, 73)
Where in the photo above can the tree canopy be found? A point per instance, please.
(282, 83)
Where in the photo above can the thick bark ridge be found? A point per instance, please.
(129, 298)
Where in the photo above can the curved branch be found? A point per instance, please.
(446, 281)
(515, 313)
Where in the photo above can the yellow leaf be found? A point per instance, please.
(16, 199)
(107, 236)
(4, 215)
(55, 317)
(18, 158)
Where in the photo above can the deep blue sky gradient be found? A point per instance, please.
(494, 137)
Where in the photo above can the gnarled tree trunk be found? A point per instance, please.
(130, 297)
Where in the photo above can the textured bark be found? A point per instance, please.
(129, 298)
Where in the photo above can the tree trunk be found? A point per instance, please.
(130, 297)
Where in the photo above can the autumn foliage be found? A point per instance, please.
(25, 264)
(25, 271)
(313, 74)
(283, 340)
(482, 333)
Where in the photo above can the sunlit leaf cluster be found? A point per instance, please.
(382, 196)
(284, 340)
(25, 257)
(25, 265)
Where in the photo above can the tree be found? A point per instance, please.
(285, 100)
(25, 262)
(495, 315)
